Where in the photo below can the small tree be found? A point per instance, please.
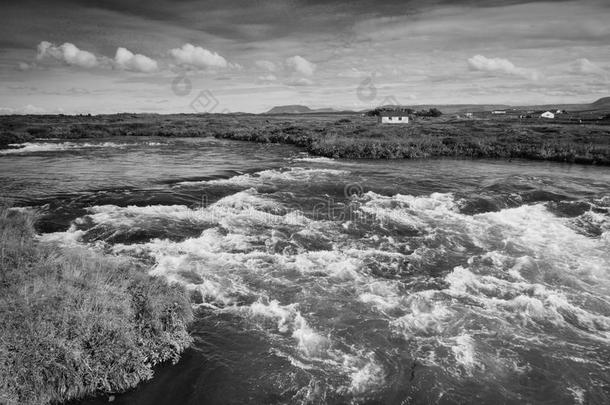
(435, 112)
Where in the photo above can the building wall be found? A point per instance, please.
(394, 120)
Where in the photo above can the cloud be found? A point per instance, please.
(127, 60)
(67, 53)
(301, 65)
(300, 82)
(586, 67)
(28, 109)
(499, 65)
(266, 65)
(267, 78)
(196, 56)
(353, 73)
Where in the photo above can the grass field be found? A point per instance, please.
(76, 323)
(347, 135)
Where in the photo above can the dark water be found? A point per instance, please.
(325, 281)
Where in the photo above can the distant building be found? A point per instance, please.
(393, 117)
(498, 112)
(468, 115)
(547, 114)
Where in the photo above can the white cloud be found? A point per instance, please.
(32, 109)
(300, 82)
(28, 109)
(500, 65)
(127, 60)
(199, 57)
(267, 78)
(266, 65)
(67, 53)
(301, 65)
(586, 67)
(354, 73)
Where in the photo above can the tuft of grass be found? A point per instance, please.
(77, 323)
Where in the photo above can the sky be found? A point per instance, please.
(162, 56)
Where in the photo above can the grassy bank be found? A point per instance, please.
(346, 135)
(589, 144)
(76, 323)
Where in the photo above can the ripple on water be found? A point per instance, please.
(412, 288)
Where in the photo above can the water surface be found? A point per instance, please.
(330, 281)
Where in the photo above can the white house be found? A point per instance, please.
(393, 118)
(498, 112)
(547, 114)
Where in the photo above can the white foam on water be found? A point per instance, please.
(71, 237)
(237, 211)
(526, 302)
(578, 394)
(331, 262)
(367, 378)
(384, 295)
(426, 315)
(36, 147)
(315, 159)
(310, 342)
(528, 271)
(284, 314)
(275, 176)
(532, 275)
(131, 215)
(464, 352)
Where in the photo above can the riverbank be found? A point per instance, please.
(504, 139)
(78, 323)
(344, 135)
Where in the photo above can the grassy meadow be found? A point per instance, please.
(347, 135)
(77, 323)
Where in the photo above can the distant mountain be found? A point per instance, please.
(603, 104)
(298, 109)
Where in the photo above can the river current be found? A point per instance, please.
(317, 280)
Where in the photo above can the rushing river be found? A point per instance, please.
(331, 281)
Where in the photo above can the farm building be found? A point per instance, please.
(498, 112)
(393, 117)
(547, 114)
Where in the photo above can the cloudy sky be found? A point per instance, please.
(102, 56)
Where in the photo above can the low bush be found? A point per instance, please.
(76, 322)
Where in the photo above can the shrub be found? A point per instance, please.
(76, 322)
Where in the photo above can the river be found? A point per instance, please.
(317, 280)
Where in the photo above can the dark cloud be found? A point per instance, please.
(227, 18)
